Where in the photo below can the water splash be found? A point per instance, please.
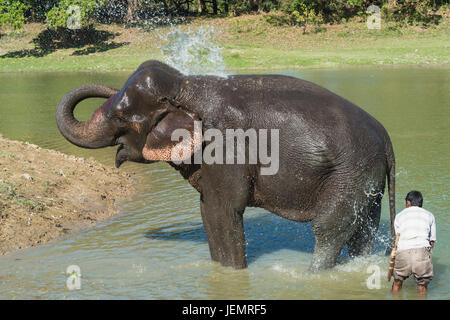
(370, 190)
(148, 15)
(360, 264)
(193, 51)
(294, 272)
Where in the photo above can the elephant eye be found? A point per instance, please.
(119, 120)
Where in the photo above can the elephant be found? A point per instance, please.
(334, 158)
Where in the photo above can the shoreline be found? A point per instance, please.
(338, 67)
(46, 194)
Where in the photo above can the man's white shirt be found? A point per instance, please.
(416, 227)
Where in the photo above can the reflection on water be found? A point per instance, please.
(157, 249)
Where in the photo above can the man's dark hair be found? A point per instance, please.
(415, 197)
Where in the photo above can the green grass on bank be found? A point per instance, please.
(248, 42)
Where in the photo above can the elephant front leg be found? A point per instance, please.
(225, 232)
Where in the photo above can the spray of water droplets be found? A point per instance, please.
(193, 51)
(148, 15)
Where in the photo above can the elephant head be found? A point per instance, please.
(140, 118)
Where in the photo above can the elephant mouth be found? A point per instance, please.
(124, 153)
(121, 156)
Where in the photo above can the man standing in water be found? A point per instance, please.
(417, 229)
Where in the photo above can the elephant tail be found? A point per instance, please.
(391, 189)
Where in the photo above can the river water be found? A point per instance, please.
(156, 247)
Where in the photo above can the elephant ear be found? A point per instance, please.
(166, 143)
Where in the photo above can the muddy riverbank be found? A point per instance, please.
(45, 194)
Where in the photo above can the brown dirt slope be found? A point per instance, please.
(45, 194)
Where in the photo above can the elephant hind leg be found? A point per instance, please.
(326, 253)
(361, 242)
(333, 227)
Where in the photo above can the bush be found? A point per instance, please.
(73, 14)
(297, 12)
(304, 14)
(12, 13)
(412, 12)
(278, 19)
(38, 8)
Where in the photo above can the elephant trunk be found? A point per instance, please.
(94, 133)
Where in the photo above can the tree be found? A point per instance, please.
(305, 14)
(72, 14)
(259, 5)
(202, 7)
(131, 11)
(226, 7)
(12, 13)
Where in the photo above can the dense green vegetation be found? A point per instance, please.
(80, 13)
